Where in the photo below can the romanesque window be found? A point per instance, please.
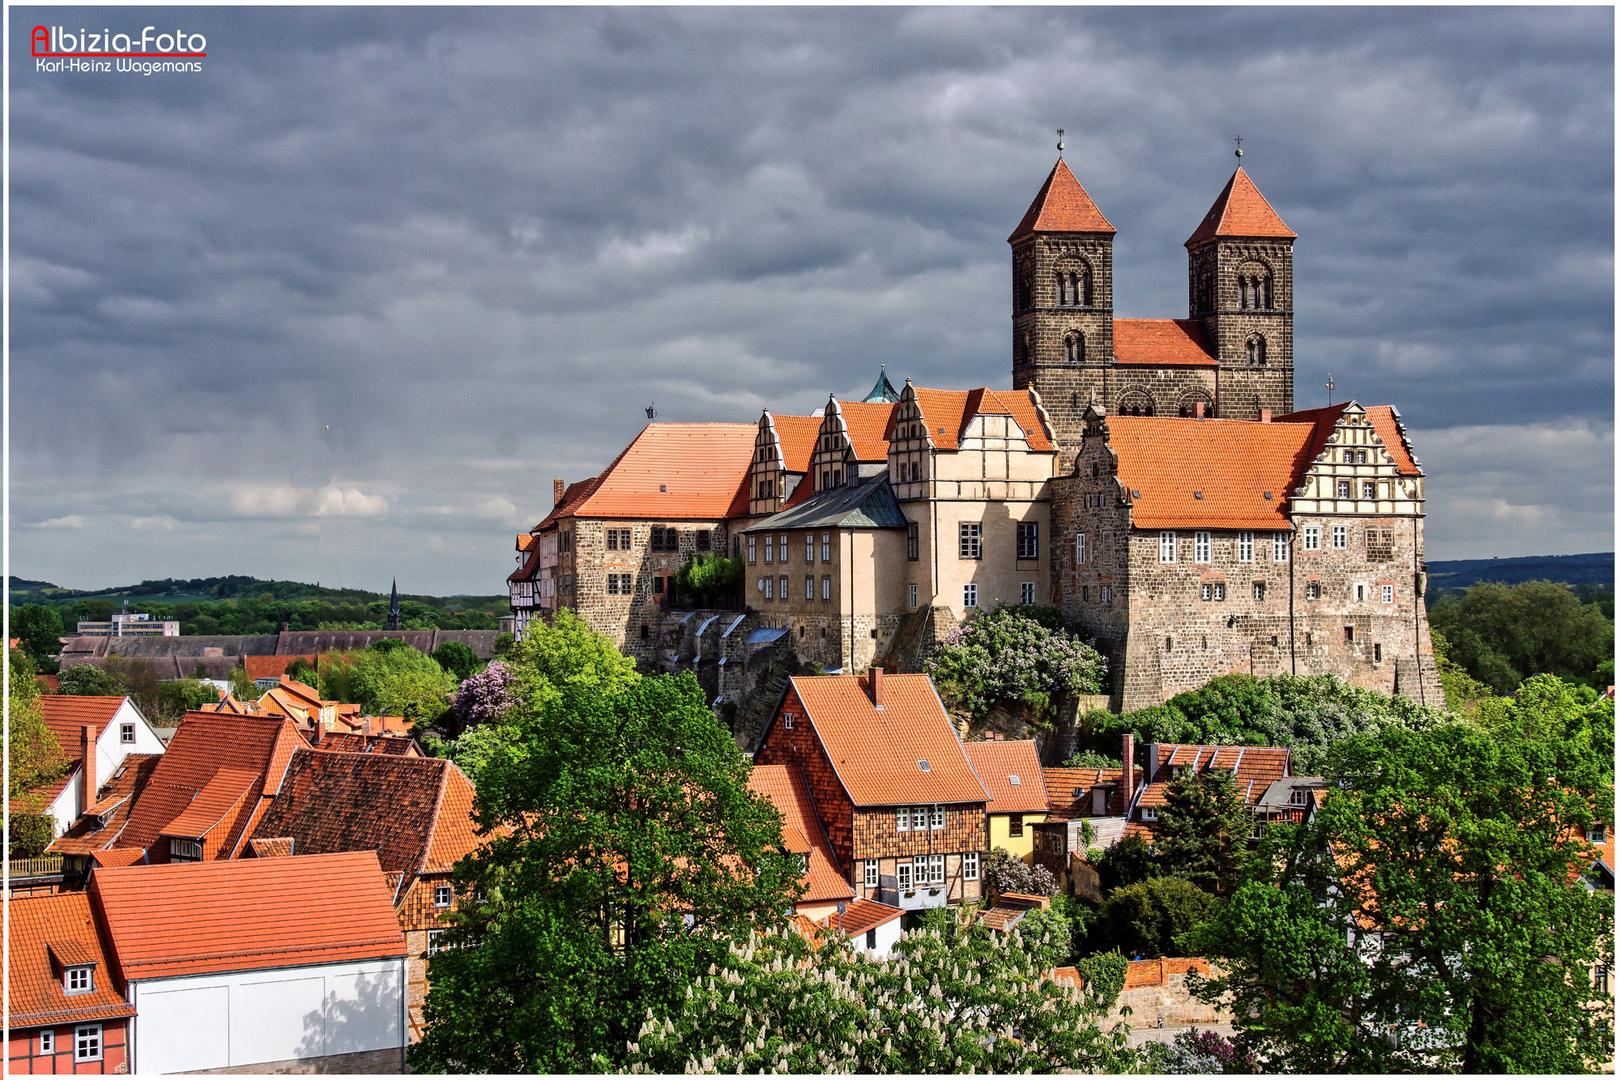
(1245, 546)
(1135, 403)
(1254, 289)
(1167, 547)
(1026, 287)
(1200, 547)
(1074, 348)
(1254, 350)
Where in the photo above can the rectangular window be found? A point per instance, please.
(185, 851)
(969, 540)
(869, 876)
(970, 866)
(1378, 653)
(1015, 824)
(826, 586)
(871, 939)
(902, 819)
(1167, 547)
(1259, 590)
(902, 874)
(1200, 547)
(751, 551)
(770, 550)
(613, 539)
(1079, 549)
(1207, 591)
(1220, 590)
(911, 595)
(1388, 592)
(1313, 538)
(1600, 979)
(1245, 547)
(1026, 593)
(809, 586)
(705, 539)
(781, 548)
(936, 817)
(78, 981)
(936, 869)
(433, 942)
(658, 585)
(1349, 635)
(1029, 540)
(770, 585)
(1361, 593)
(783, 592)
(809, 548)
(1369, 489)
(47, 1042)
(87, 1042)
(970, 596)
(1344, 489)
(1279, 547)
(126, 733)
(442, 895)
(1313, 590)
(1597, 834)
(1105, 593)
(911, 541)
(1150, 813)
(1085, 594)
(1341, 538)
(787, 721)
(826, 547)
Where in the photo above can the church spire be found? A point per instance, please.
(1240, 210)
(1061, 205)
(394, 621)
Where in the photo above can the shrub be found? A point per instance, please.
(1199, 1053)
(85, 680)
(1149, 918)
(1010, 655)
(484, 698)
(1127, 862)
(457, 659)
(1004, 873)
(1104, 974)
(710, 575)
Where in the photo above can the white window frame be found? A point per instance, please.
(969, 540)
(1369, 489)
(1313, 538)
(1259, 591)
(826, 586)
(826, 547)
(1028, 539)
(1206, 592)
(1026, 592)
(1279, 547)
(770, 585)
(936, 816)
(1341, 537)
(1313, 590)
(1344, 489)
(178, 847)
(87, 1042)
(770, 551)
(911, 594)
(448, 893)
(902, 874)
(1150, 813)
(433, 946)
(869, 874)
(936, 869)
(1245, 546)
(970, 866)
(782, 588)
(781, 548)
(1105, 594)
(970, 596)
(1167, 547)
(809, 548)
(47, 1041)
(1079, 549)
(902, 819)
(1298, 797)
(126, 732)
(1387, 593)
(79, 979)
(751, 549)
(1201, 547)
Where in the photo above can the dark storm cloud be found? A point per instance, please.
(340, 306)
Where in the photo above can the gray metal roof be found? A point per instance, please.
(761, 636)
(866, 504)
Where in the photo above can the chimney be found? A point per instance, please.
(87, 770)
(368, 727)
(1198, 409)
(1128, 756)
(319, 729)
(1265, 416)
(1152, 762)
(557, 489)
(877, 687)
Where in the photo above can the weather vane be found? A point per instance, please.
(652, 413)
(1239, 140)
(1060, 141)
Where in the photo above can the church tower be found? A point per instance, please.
(1063, 303)
(1240, 285)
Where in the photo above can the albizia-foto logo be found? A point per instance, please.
(56, 48)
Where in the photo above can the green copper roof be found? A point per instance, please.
(865, 504)
(882, 391)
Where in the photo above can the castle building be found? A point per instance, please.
(1149, 477)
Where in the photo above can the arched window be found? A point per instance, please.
(1084, 293)
(1135, 403)
(1025, 288)
(1254, 350)
(1062, 290)
(1074, 348)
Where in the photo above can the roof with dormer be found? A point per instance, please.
(949, 412)
(1061, 205)
(859, 504)
(1240, 210)
(47, 934)
(1011, 771)
(802, 834)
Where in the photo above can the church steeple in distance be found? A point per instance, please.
(394, 620)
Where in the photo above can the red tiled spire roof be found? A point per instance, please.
(1062, 205)
(1240, 210)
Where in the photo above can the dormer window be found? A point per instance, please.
(79, 979)
(1298, 797)
(185, 851)
(1597, 834)
(1150, 813)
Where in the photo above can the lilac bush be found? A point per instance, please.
(1008, 655)
(485, 697)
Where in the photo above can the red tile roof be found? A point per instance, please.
(1069, 790)
(270, 667)
(571, 498)
(274, 847)
(867, 423)
(947, 414)
(63, 922)
(246, 915)
(1254, 768)
(1240, 210)
(113, 804)
(999, 764)
(1163, 343)
(215, 803)
(1061, 205)
(784, 785)
(118, 856)
(797, 435)
(1385, 424)
(1167, 462)
(65, 714)
(861, 916)
(676, 471)
(526, 541)
(356, 742)
(877, 753)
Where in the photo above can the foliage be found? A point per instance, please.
(30, 835)
(1198, 1053)
(1091, 759)
(1010, 655)
(1152, 917)
(85, 680)
(36, 757)
(1306, 713)
(400, 682)
(337, 671)
(457, 658)
(961, 999)
(1204, 830)
(1503, 634)
(37, 627)
(712, 575)
(1463, 691)
(623, 847)
(305, 671)
(473, 748)
(1105, 976)
(1454, 857)
(503, 645)
(1127, 861)
(485, 697)
(1004, 873)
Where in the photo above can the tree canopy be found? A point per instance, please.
(1503, 634)
(1013, 655)
(1204, 831)
(623, 846)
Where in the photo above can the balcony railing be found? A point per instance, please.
(43, 866)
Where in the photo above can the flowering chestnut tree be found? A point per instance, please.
(957, 1000)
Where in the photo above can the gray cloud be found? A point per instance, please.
(340, 306)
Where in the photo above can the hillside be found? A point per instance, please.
(1587, 573)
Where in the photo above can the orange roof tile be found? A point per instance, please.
(1166, 463)
(212, 804)
(270, 667)
(876, 753)
(571, 498)
(675, 471)
(868, 425)
(66, 714)
(1254, 768)
(274, 847)
(1240, 210)
(249, 914)
(118, 795)
(1068, 791)
(797, 435)
(1011, 771)
(66, 922)
(526, 572)
(1061, 205)
(1385, 422)
(947, 414)
(784, 785)
(1163, 343)
(526, 541)
(861, 916)
(117, 856)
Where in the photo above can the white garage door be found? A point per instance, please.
(278, 1019)
(183, 1029)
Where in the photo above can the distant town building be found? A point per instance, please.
(130, 624)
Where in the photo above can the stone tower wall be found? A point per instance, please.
(1213, 270)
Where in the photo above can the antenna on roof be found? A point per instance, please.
(1239, 140)
(1060, 142)
(652, 411)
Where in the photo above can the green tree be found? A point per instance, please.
(457, 659)
(86, 681)
(1011, 656)
(1502, 634)
(1463, 691)
(1204, 831)
(37, 627)
(711, 575)
(36, 758)
(624, 846)
(1125, 862)
(503, 645)
(1152, 917)
(952, 1000)
(1431, 917)
(401, 682)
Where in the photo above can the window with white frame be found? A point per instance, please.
(902, 819)
(869, 874)
(970, 596)
(969, 540)
(1206, 591)
(970, 866)
(1388, 593)
(787, 721)
(443, 895)
(936, 817)
(1341, 537)
(1279, 547)
(1200, 547)
(433, 942)
(47, 1041)
(1369, 489)
(826, 547)
(1029, 539)
(1220, 590)
(809, 586)
(1150, 813)
(1245, 544)
(770, 550)
(1026, 593)
(751, 548)
(936, 869)
(911, 595)
(1298, 797)
(1167, 547)
(809, 548)
(1344, 489)
(782, 592)
(1259, 590)
(826, 586)
(185, 851)
(87, 1042)
(902, 874)
(1313, 538)
(78, 979)
(1079, 549)
(1597, 834)
(1313, 590)
(770, 585)
(126, 732)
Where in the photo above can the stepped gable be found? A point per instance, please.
(802, 834)
(1240, 210)
(677, 471)
(1385, 422)
(1163, 343)
(1011, 772)
(1061, 205)
(797, 437)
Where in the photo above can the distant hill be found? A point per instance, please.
(232, 587)
(1588, 573)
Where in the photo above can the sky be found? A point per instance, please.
(339, 306)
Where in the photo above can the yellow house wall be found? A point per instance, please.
(1021, 846)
